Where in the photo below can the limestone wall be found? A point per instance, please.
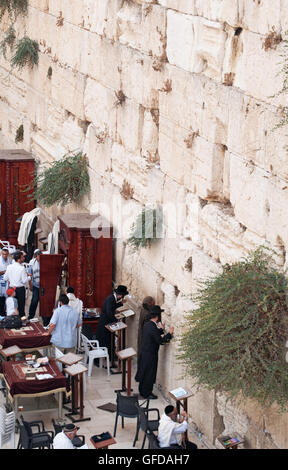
(193, 134)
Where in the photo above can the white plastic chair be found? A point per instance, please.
(58, 354)
(92, 351)
(7, 428)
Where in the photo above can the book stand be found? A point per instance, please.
(75, 371)
(125, 356)
(116, 329)
(182, 401)
(103, 444)
(11, 352)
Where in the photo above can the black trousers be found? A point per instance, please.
(46, 320)
(2, 306)
(34, 302)
(20, 296)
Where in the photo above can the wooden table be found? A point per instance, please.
(28, 338)
(103, 444)
(181, 400)
(19, 386)
(126, 355)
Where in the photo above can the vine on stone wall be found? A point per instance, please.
(63, 181)
(13, 8)
(147, 229)
(26, 53)
(26, 49)
(235, 338)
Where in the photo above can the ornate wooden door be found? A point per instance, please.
(50, 271)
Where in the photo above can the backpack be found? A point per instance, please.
(13, 321)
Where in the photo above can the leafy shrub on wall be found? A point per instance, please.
(147, 228)
(234, 340)
(64, 181)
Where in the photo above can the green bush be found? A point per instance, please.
(62, 182)
(13, 8)
(147, 229)
(234, 340)
(26, 53)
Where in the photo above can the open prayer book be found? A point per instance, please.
(44, 376)
(178, 392)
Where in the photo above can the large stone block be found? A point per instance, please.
(130, 118)
(183, 6)
(260, 17)
(259, 200)
(255, 59)
(98, 149)
(99, 104)
(143, 27)
(140, 81)
(195, 44)
(219, 10)
(199, 168)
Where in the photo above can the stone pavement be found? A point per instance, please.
(100, 389)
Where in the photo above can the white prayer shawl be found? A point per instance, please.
(25, 225)
(75, 303)
(55, 232)
(166, 427)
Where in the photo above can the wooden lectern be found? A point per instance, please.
(118, 330)
(181, 395)
(126, 355)
(76, 371)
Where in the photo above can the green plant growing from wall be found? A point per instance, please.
(63, 181)
(26, 53)
(13, 8)
(147, 229)
(234, 340)
(8, 41)
(19, 134)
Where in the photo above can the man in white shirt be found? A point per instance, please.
(63, 440)
(170, 429)
(4, 263)
(17, 277)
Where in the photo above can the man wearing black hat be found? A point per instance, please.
(152, 338)
(111, 303)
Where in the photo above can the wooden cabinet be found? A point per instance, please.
(16, 173)
(89, 258)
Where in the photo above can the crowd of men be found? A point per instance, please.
(67, 318)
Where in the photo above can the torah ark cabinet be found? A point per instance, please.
(16, 175)
(89, 257)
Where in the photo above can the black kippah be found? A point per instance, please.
(169, 409)
(69, 427)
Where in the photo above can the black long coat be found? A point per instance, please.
(148, 361)
(107, 316)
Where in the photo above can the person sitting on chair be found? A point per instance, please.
(63, 440)
(170, 429)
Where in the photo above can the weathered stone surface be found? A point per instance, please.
(142, 27)
(259, 17)
(174, 103)
(195, 44)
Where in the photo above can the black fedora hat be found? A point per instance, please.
(155, 310)
(122, 290)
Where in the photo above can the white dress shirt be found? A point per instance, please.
(61, 441)
(16, 275)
